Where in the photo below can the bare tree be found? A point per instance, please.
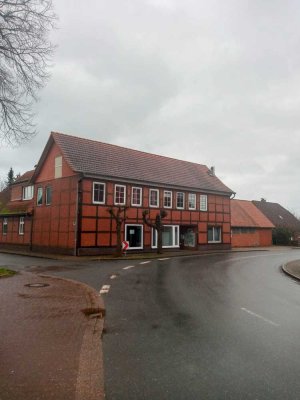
(119, 215)
(25, 52)
(158, 225)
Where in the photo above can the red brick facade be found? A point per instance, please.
(67, 219)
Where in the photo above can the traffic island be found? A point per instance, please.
(292, 269)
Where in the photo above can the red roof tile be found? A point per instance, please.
(245, 214)
(95, 158)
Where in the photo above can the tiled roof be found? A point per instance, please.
(106, 160)
(279, 216)
(25, 177)
(245, 214)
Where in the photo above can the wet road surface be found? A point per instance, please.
(210, 327)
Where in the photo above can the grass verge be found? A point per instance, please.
(6, 272)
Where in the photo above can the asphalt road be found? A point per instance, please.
(202, 327)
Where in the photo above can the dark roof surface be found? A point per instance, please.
(245, 214)
(96, 158)
(278, 215)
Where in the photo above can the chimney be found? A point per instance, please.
(212, 171)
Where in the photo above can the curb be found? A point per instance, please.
(285, 269)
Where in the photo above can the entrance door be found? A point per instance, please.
(187, 237)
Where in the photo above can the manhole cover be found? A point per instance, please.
(35, 285)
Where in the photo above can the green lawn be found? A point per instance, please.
(6, 272)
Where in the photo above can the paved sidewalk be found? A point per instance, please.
(49, 348)
(292, 268)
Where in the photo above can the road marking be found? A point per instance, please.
(163, 259)
(129, 266)
(104, 289)
(113, 276)
(259, 316)
(145, 262)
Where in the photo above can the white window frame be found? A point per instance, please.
(104, 192)
(115, 202)
(165, 197)
(193, 195)
(5, 224)
(213, 228)
(183, 199)
(28, 192)
(46, 198)
(142, 236)
(58, 167)
(39, 189)
(175, 237)
(141, 196)
(21, 225)
(157, 192)
(203, 202)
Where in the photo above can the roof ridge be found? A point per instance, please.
(129, 148)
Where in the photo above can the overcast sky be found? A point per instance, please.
(214, 82)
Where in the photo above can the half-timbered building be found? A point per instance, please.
(77, 181)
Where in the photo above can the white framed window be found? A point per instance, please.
(167, 199)
(180, 200)
(98, 193)
(192, 201)
(154, 198)
(39, 196)
(214, 234)
(4, 226)
(134, 236)
(28, 192)
(203, 202)
(58, 167)
(120, 194)
(136, 196)
(21, 225)
(170, 237)
(48, 195)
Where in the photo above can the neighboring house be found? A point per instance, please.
(249, 227)
(77, 180)
(280, 217)
(16, 209)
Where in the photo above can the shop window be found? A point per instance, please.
(98, 193)
(134, 236)
(170, 236)
(214, 234)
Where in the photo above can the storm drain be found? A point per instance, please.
(37, 285)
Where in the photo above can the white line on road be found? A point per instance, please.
(163, 259)
(129, 266)
(113, 276)
(145, 262)
(104, 289)
(259, 316)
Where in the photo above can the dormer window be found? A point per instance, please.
(58, 167)
(28, 192)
